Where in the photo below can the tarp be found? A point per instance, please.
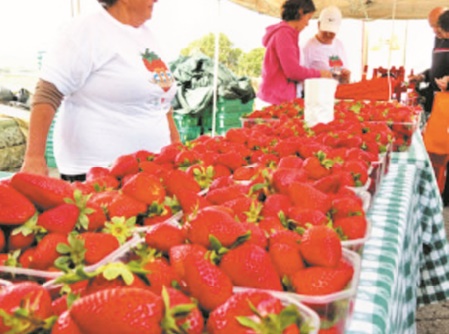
(195, 78)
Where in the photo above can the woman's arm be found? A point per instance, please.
(40, 120)
(46, 101)
(174, 133)
(443, 83)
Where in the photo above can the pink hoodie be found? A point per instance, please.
(281, 70)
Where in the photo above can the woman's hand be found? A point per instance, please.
(325, 74)
(442, 83)
(345, 76)
(35, 165)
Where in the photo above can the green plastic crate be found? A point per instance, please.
(236, 105)
(189, 133)
(185, 121)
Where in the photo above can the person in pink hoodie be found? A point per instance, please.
(281, 69)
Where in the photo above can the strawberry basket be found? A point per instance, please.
(356, 245)
(335, 310)
(308, 317)
(42, 276)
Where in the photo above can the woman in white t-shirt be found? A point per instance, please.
(115, 90)
(324, 51)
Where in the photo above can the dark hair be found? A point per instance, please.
(107, 3)
(443, 21)
(294, 9)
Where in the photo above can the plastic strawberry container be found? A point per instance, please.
(4, 283)
(310, 317)
(41, 276)
(356, 245)
(335, 310)
(403, 132)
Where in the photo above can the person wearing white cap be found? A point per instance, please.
(324, 51)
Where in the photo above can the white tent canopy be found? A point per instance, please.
(365, 9)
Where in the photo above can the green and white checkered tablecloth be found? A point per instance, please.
(405, 262)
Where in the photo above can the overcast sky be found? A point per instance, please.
(27, 26)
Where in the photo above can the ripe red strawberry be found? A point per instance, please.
(257, 235)
(285, 236)
(286, 259)
(60, 219)
(345, 206)
(220, 171)
(321, 246)
(253, 311)
(43, 191)
(123, 165)
(291, 161)
(286, 148)
(168, 153)
(96, 217)
(18, 240)
(190, 201)
(186, 158)
(176, 179)
(271, 224)
(250, 265)
(216, 222)
(245, 209)
(26, 257)
(358, 169)
(276, 203)
(101, 281)
(332, 183)
(283, 177)
(126, 206)
(247, 173)
(97, 172)
(318, 281)
(15, 208)
(107, 182)
(157, 213)
(206, 282)
(225, 194)
(150, 167)
(98, 245)
(202, 174)
(237, 135)
(304, 195)
(45, 252)
(60, 303)
(160, 274)
(119, 310)
(232, 160)
(145, 188)
(315, 169)
(176, 306)
(65, 325)
(179, 253)
(165, 235)
(353, 227)
(25, 307)
(301, 217)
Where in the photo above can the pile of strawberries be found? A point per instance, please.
(268, 207)
(402, 119)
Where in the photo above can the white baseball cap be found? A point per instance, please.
(330, 19)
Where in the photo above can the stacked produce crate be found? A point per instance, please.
(229, 112)
(227, 116)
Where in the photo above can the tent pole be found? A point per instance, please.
(216, 60)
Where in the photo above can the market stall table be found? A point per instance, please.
(405, 262)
